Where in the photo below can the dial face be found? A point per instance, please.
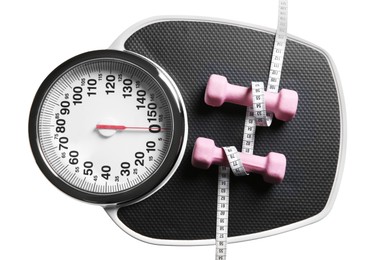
(105, 126)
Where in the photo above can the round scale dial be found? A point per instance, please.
(108, 126)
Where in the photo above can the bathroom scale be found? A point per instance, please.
(117, 128)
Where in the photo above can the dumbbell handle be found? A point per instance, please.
(272, 167)
(251, 163)
(243, 96)
(283, 104)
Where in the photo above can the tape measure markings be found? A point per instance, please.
(249, 132)
(222, 212)
(278, 53)
(259, 107)
(234, 161)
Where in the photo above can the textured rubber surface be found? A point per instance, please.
(185, 208)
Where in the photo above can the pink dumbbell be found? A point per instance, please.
(272, 167)
(283, 104)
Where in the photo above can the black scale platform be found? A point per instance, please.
(185, 208)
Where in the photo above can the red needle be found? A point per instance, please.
(122, 127)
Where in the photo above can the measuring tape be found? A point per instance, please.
(222, 212)
(223, 198)
(278, 54)
(234, 161)
(255, 116)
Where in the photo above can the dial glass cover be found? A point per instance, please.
(106, 126)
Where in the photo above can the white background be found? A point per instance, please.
(39, 222)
